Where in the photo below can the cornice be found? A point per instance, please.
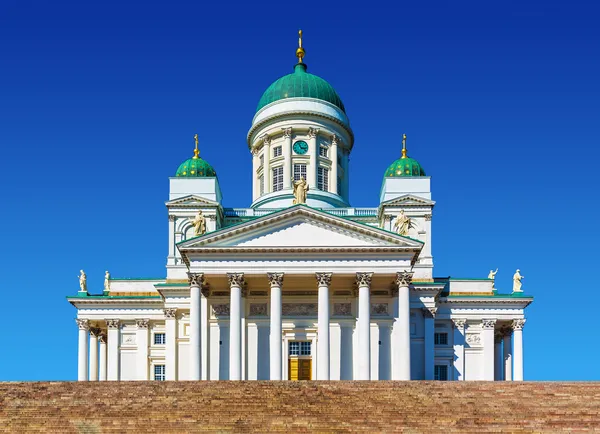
(487, 300)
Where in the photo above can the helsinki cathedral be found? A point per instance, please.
(300, 285)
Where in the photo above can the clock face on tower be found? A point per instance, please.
(300, 147)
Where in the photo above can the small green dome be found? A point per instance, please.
(405, 166)
(195, 167)
(300, 84)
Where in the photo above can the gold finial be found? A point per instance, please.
(196, 151)
(300, 51)
(404, 146)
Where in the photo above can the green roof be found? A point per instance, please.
(300, 84)
(405, 166)
(195, 167)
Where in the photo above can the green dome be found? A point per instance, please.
(300, 84)
(405, 166)
(195, 167)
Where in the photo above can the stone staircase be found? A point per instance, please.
(382, 406)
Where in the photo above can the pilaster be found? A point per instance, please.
(195, 280)
(517, 326)
(170, 344)
(429, 318)
(311, 172)
(142, 349)
(487, 335)
(459, 348)
(114, 336)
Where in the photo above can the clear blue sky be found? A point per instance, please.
(99, 103)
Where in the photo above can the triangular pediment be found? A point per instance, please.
(191, 201)
(408, 200)
(300, 227)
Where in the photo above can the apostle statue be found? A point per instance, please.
(300, 190)
(199, 224)
(492, 276)
(107, 281)
(402, 223)
(82, 281)
(517, 281)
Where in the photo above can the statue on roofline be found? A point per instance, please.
(82, 281)
(199, 224)
(517, 281)
(300, 190)
(492, 276)
(107, 281)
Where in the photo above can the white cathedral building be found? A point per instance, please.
(300, 285)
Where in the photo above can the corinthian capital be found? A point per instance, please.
(170, 312)
(196, 279)
(404, 278)
(323, 279)
(459, 323)
(172, 218)
(112, 323)
(236, 279)
(275, 279)
(266, 140)
(518, 324)
(312, 132)
(335, 139)
(142, 323)
(488, 324)
(83, 324)
(364, 279)
(287, 132)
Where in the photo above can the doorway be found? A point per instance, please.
(300, 360)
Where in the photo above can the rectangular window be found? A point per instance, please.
(261, 184)
(305, 348)
(277, 178)
(440, 338)
(323, 151)
(298, 348)
(441, 373)
(159, 338)
(294, 348)
(323, 179)
(159, 372)
(277, 151)
(299, 171)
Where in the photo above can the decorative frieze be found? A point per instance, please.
(258, 309)
(404, 278)
(83, 324)
(323, 279)
(473, 339)
(379, 309)
(112, 323)
(364, 279)
(170, 312)
(196, 279)
(275, 279)
(142, 323)
(342, 309)
(518, 324)
(299, 309)
(220, 309)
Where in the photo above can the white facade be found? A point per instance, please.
(320, 291)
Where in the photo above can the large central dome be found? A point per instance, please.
(300, 84)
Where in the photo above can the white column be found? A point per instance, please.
(275, 342)
(517, 326)
(170, 343)
(82, 354)
(313, 152)
(102, 340)
(142, 349)
(498, 359)
(286, 149)
(94, 333)
(507, 354)
(323, 282)
(333, 156)
(243, 333)
(363, 281)
(171, 256)
(267, 163)
(114, 336)
(204, 340)
(236, 281)
(196, 280)
(487, 337)
(255, 176)
(429, 318)
(403, 280)
(459, 348)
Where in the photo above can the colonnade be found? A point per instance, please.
(275, 280)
